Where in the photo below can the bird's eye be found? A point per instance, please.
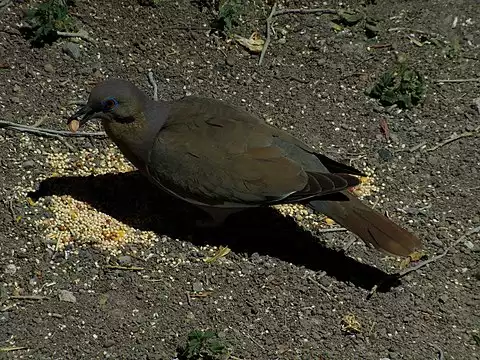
(109, 104)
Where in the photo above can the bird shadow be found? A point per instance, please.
(133, 200)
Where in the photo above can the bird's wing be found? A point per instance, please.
(210, 153)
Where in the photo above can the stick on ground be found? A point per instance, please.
(276, 12)
(455, 137)
(438, 257)
(82, 34)
(154, 84)
(422, 264)
(48, 132)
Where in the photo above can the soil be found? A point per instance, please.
(285, 290)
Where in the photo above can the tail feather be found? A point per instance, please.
(371, 226)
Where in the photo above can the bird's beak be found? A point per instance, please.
(81, 117)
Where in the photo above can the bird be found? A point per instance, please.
(223, 159)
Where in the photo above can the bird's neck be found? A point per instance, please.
(135, 139)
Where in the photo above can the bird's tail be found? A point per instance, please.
(371, 226)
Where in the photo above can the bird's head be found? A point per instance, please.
(111, 100)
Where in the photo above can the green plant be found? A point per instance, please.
(229, 13)
(203, 345)
(401, 86)
(47, 19)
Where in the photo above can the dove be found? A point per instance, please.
(224, 159)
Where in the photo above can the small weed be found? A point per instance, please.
(229, 14)
(401, 86)
(47, 19)
(203, 345)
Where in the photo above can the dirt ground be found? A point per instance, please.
(286, 290)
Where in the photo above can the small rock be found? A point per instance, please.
(124, 260)
(197, 286)
(437, 242)
(97, 74)
(65, 295)
(433, 160)
(385, 155)
(469, 245)
(28, 164)
(394, 138)
(15, 99)
(16, 88)
(72, 50)
(230, 60)
(3, 292)
(190, 316)
(86, 71)
(443, 299)
(476, 104)
(108, 343)
(10, 269)
(49, 68)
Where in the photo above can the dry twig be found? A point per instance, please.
(119, 267)
(350, 243)
(455, 137)
(418, 32)
(329, 230)
(81, 34)
(269, 31)
(12, 348)
(435, 258)
(457, 80)
(441, 356)
(154, 84)
(422, 264)
(28, 297)
(276, 12)
(48, 132)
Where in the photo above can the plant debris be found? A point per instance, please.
(400, 86)
(47, 19)
(351, 325)
(203, 345)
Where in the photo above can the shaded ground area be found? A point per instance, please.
(286, 290)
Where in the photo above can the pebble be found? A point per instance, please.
(28, 164)
(49, 68)
(394, 138)
(385, 155)
(17, 88)
(15, 99)
(65, 295)
(469, 245)
(230, 60)
(437, 242)
(108, 343)
(197, 286)
(124, 260)
(443, 298)
(10, 269)
(72, 50)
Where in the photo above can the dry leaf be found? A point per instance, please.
(221, 252)
(254, 44)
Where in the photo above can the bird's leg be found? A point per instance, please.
(217, 216)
